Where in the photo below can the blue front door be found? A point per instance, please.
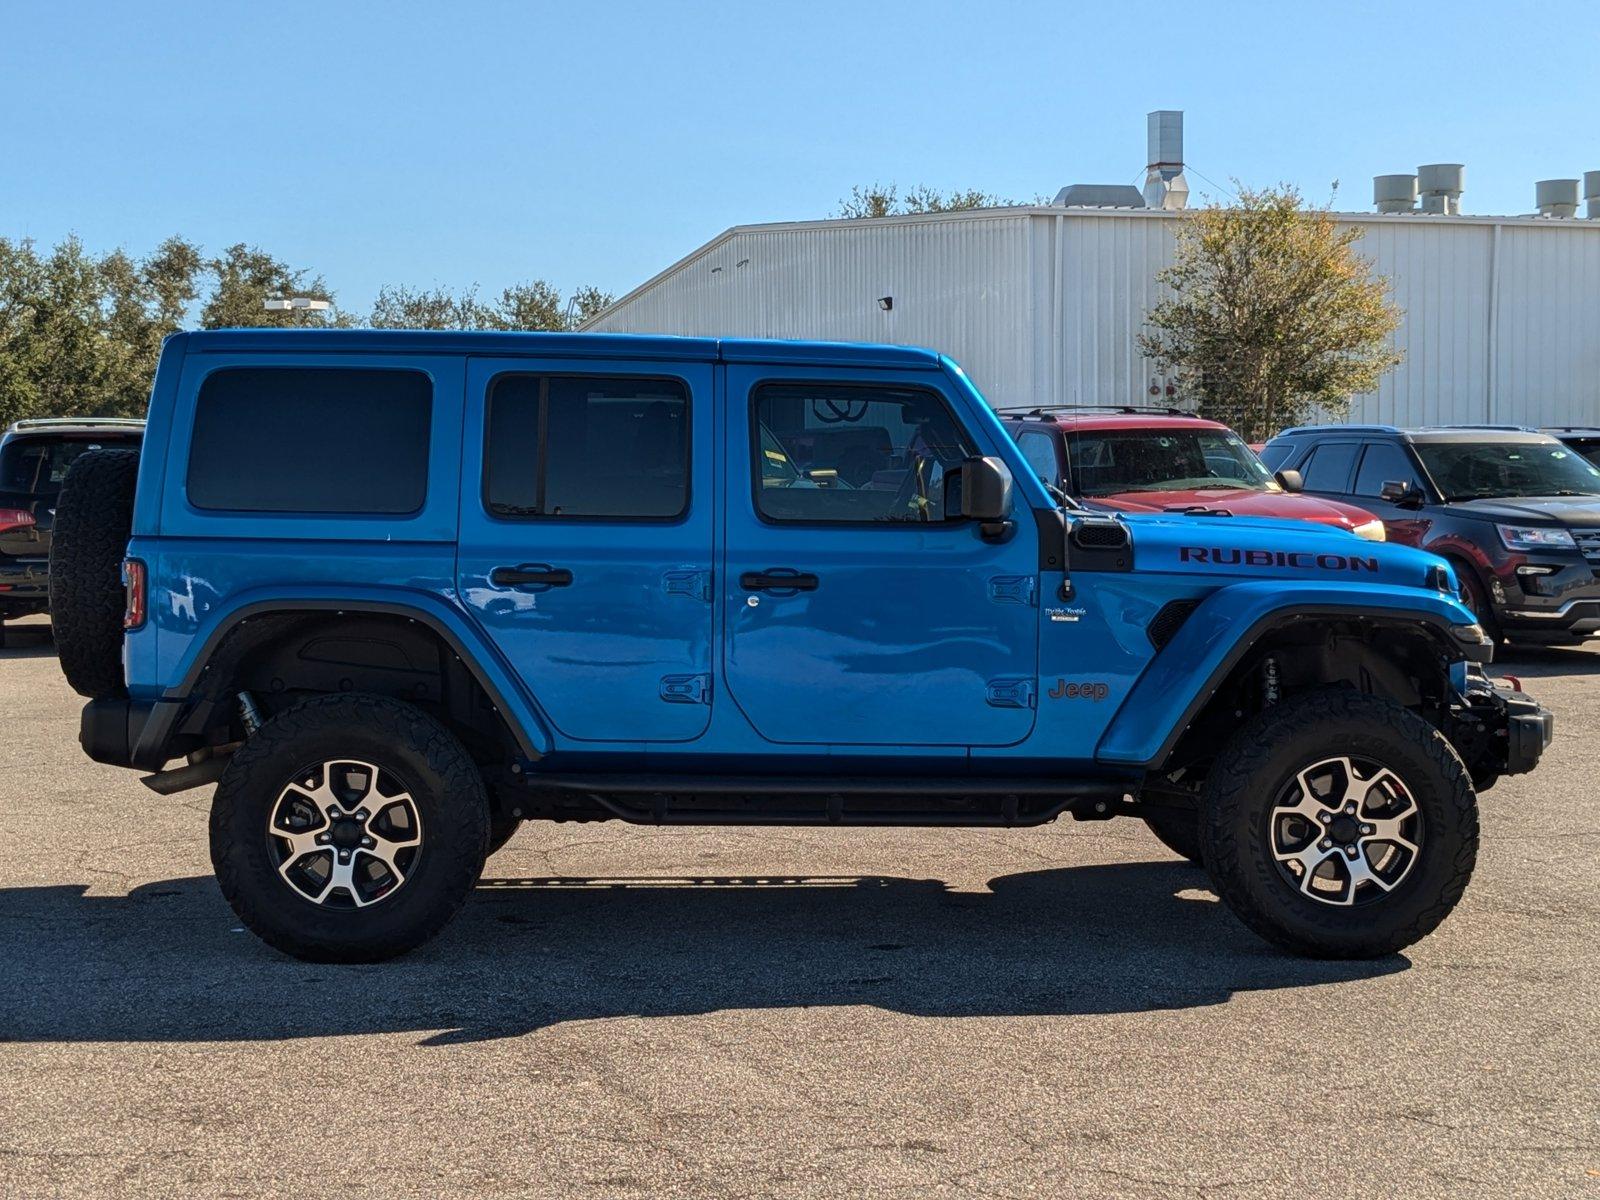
(586, 539)
(857, 611)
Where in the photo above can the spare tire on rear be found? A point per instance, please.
(94, 519)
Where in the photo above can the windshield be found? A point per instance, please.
(1480, 470)
(1104, 462)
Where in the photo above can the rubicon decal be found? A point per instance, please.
(1218, 557)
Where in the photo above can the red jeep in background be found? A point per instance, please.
(1132, 459)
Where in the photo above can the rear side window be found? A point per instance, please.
(1384, 462)
(1327, 468)
(587, 446)
(311, 440)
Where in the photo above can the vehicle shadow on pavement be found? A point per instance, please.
(1537, 662)
(27, 641)
(168, 962)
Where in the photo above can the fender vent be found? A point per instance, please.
(1165, 624)
(1100, 535)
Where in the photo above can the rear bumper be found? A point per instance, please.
(128, 733)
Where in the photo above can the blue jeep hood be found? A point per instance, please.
(1238, 548)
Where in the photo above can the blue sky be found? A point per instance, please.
(492, 142)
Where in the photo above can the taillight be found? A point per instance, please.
(15, 518)
(133, 582)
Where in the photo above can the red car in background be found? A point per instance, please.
(1131, 459)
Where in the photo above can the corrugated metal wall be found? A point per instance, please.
(1502, 316)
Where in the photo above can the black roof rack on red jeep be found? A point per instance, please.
(1041, 410)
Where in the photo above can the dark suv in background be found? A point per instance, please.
(34, 457)
(1585, 439)
(1516, 512)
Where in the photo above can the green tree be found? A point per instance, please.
(1271, 314)
(246, 277)
(884, 200)
(436, 308)
(80, 334)
(527, 306)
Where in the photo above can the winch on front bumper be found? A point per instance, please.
(1498, 729)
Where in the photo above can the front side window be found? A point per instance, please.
(1106, 462)
(311, 440)
(1383, 462)
(1327, 468)
(855, 454)
(587, 446)
(1481, 470)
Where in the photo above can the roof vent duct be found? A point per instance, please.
(1394, 193)
(1099, 195)
(1441, 185)
(1164, 184)
(1557, 197)
(1591, 193)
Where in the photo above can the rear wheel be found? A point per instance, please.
(349, 829)
(93, 520)
(1340, 825)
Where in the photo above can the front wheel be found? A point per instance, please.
(1339, 825)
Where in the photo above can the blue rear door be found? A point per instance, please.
(856, 610)
(586, 538)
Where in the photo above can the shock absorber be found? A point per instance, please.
(1269, 681)
(249, 714)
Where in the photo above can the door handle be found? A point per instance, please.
(530, 573)
(779, 579)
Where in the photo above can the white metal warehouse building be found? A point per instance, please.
(1042, 305)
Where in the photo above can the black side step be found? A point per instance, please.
(1001, 801)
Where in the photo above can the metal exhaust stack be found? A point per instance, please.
(1442, 185)
(1164, 184)
(1591, 193)
(1557, 197)
(1394, 193)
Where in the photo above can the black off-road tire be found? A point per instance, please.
(1178, 830)
(94, 518)
(441, 778)
(502, 828)
(1264, 757)
(1476, 597)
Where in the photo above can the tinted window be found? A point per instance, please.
(1384, 462)
(587, 446)
(1275, 454)
(36, 466)
(825, 452)
(282, 439)
(1327, 469)
(1040, 451)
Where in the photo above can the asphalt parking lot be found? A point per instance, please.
(623, 1012)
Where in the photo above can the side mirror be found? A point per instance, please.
(986, 494)
(1401, 492)
(1291, 481)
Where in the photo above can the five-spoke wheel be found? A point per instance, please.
(347, 833)
(1345, 831)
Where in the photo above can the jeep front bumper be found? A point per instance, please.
(1529, 729)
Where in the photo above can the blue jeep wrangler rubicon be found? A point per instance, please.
(396, 592)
